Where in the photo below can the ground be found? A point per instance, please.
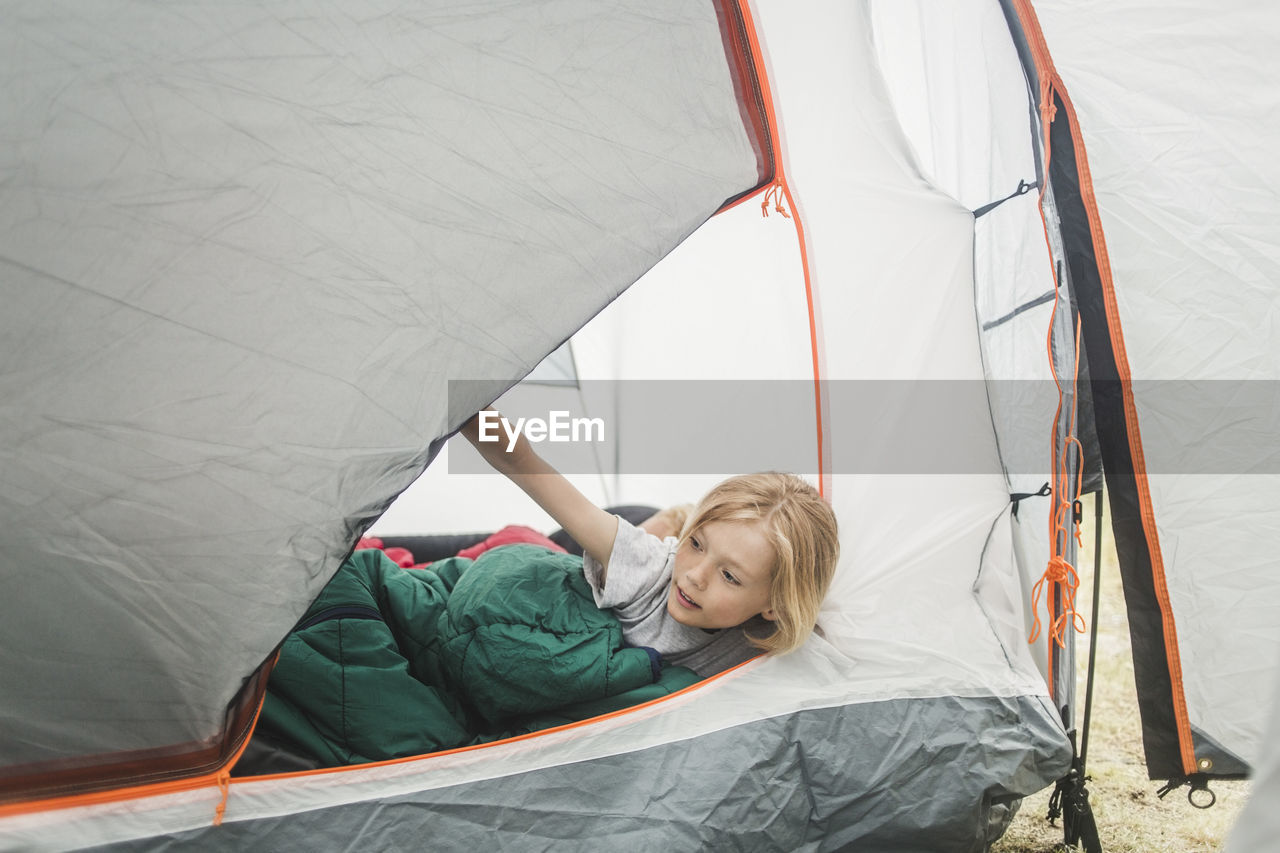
(1131, 817)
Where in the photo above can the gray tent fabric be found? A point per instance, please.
(882, 776)
(242, 248)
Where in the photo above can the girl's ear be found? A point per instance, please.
(771, 614)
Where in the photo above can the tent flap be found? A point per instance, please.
(243, 250)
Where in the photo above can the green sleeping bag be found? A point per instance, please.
(390, 662)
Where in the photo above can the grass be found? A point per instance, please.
(1131, 817)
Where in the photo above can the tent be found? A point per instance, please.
(260, 264)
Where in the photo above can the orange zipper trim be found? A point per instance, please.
(782, 189)
(220, 778)
(1052, 84)
(391, 762)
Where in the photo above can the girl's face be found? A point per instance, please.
(722, 576)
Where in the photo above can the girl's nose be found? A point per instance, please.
(698, 575)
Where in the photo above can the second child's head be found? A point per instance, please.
(756, 545)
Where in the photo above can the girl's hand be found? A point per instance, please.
(592, 527)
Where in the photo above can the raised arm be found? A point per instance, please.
(592, 527)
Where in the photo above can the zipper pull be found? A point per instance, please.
(224, 788)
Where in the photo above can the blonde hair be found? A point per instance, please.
(800, 526)
(667, 522)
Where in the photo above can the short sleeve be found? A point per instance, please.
(637, 569)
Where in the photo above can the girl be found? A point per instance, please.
(747, 573)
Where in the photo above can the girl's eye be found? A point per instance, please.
(697, 545)
(729, 577)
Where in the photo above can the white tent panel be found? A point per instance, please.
(959, 91)
(1184, 168)
(905, 313)
(1185, 172)
(960, 94)
(1224, 595)
(1258, 824)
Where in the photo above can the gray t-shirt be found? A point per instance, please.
(636, 589)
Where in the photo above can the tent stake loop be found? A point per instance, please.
(1198, 783)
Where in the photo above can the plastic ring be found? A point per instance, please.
(1191, 798)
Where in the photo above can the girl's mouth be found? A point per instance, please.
(686, 601)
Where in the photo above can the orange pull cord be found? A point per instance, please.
(1059, 573)
(1048, 109)
(774, 194)
(224, 788)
